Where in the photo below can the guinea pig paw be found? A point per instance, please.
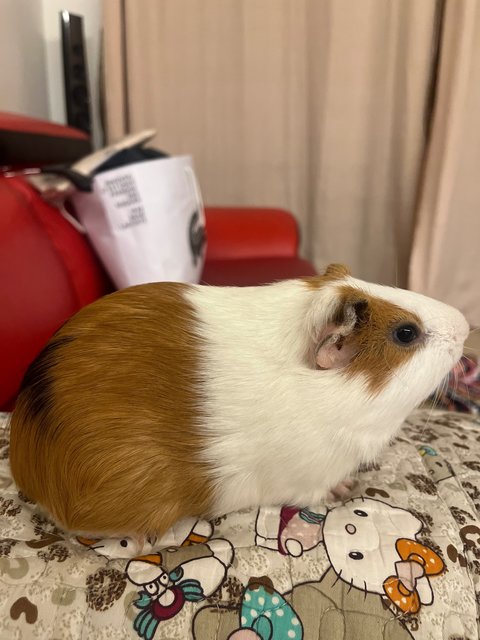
(342, 491)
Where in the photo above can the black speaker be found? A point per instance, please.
(77, 92)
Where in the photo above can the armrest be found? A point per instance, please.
(48, 272)
(30, 142)
(250, 232)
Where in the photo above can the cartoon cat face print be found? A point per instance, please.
(360, 539)
(370, 544)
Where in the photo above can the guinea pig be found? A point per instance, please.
(168, 400)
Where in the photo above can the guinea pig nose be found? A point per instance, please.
(351, 529)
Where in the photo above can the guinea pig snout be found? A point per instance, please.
(452, 330)
(459, 327)
(460, 333)
(350, 528)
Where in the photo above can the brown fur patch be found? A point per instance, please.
(105, 434)
(378, 354)
(38, 377)
(332, 272)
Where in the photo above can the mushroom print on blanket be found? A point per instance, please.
(371, 546)
(266, 615)
(163, 592)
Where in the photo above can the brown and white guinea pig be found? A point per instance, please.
(168, 400)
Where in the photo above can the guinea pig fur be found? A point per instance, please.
(168, 400)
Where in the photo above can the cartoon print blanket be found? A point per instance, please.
(400, 560)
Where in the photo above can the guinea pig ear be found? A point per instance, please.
(337, 345)
(337, 271)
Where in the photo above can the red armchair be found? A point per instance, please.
(248, 246)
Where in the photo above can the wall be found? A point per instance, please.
(23, 72)
(31, 72)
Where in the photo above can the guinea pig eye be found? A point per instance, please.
(405, 334)
(359, 512)
(356, 555)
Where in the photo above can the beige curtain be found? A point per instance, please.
(447, 238)
(318, 106)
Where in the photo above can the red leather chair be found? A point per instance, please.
(251, 246)
(48, 270)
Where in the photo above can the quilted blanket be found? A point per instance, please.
(399, 560)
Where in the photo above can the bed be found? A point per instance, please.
(399, 560)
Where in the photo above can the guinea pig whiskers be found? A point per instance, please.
(364, 590)
(440, 390)
(392, 371)
(427, 421)
(351, 586)
(466, 386)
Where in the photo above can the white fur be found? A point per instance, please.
(281, 432)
